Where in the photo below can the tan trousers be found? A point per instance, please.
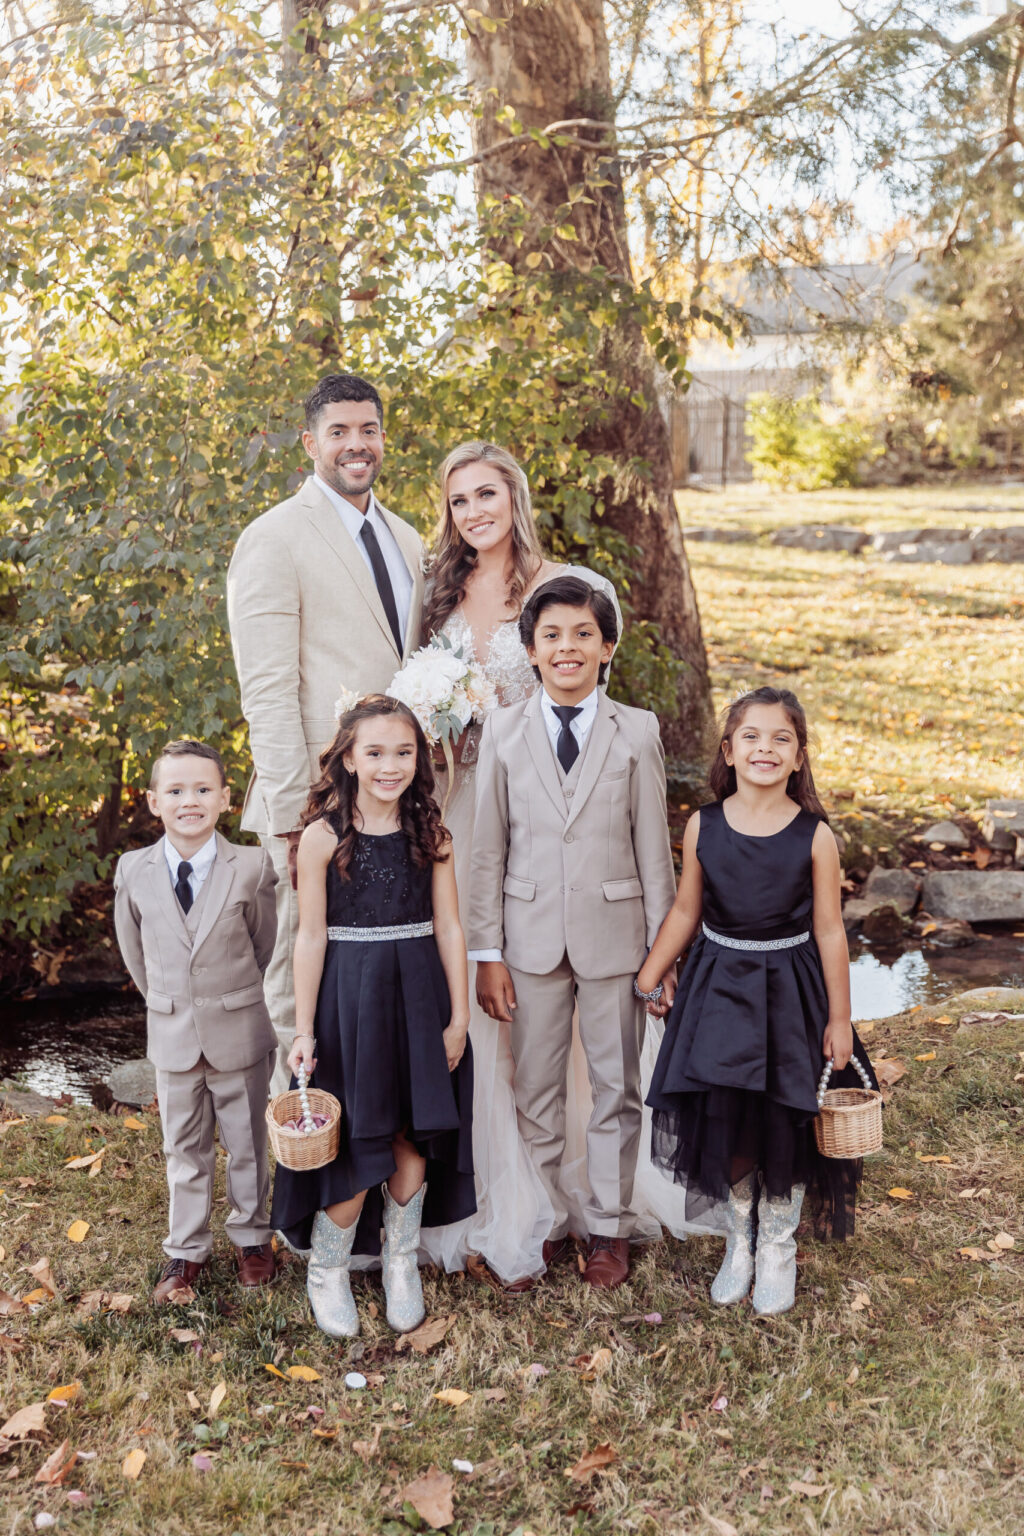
(190, 1103)
(541, 1035)
(278, 983)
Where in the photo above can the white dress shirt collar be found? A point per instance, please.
(202, 861)
(579, 725)
(355, 521)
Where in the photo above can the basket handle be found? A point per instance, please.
(307, 1113)
(859, 1068)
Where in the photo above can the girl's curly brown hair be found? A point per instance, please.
(333, 797)
(722, 778)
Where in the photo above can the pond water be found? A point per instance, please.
(62, 1046)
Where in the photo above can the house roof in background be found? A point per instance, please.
(800, 300)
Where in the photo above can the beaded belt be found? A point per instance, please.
(761, 944)
(380, 935)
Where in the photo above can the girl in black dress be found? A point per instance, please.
(380, 979)
(763, 1001)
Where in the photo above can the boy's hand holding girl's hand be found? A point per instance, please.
(838, 1043)
(454, 1039)
(301, 1054)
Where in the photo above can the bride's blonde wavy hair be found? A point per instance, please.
(452, 560)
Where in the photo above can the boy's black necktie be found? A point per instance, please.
(567, 748)
(182, 889)
(383, 580)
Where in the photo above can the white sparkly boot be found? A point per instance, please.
(401, 1273)
(732, 1282)
(327, 1278)
(775, 1257)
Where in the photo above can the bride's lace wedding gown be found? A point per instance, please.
(514, 1214)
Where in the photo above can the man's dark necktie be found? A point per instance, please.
(383, 580)
(567, 748)
(182, 889)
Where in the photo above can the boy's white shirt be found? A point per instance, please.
(202, 862)
(579, 725)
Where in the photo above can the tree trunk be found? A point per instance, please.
(549, 62)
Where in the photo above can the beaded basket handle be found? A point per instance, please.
(858, 1067)
(307, 1114)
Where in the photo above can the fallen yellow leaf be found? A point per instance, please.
(1002, 1241)
(86, 1161)
(453, 1397)
(925, 1056)
(133, 1463)
(275, 1372)
(132, 1124)
(56, 1120)
(78, 1231)
(303, 1373)
(66, 1394)
(217, 1396)
(925, 1157)
(97, 1167)
(901, 1194)
(39, 1294)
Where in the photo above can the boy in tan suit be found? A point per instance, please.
(195, 918)
(571, 877)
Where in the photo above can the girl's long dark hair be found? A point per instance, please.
(333, 797)
(722, 778)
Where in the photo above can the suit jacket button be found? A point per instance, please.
(568, 837)
(199, 1001)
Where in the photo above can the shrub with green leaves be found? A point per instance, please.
(802, 445)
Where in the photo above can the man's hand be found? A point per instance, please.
(494, 990)
(293, 856)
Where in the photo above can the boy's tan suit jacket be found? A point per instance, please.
(204, 993)
(587, 873)
(306, 619)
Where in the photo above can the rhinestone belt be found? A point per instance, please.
(380, 935)
(761, 944)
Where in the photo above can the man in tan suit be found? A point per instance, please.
(571, 877)
(195, 921)
(324, 592)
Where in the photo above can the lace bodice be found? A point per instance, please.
(505, 663)
(384, 886)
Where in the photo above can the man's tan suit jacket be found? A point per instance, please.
(589, 874)
(306, 619)
(203, 991)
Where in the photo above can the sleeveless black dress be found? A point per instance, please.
(736, 1078)
(381, 1012)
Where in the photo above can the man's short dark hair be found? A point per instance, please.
(339, 386)
(573, 592)
(187, 748)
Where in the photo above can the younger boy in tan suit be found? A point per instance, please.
(570, 879)
(196, 922)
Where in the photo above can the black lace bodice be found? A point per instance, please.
(384, 888)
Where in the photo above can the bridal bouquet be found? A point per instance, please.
(446, 691)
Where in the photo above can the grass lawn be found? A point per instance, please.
(912, 675)
(889, 1400)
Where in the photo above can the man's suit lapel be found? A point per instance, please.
(332, 530)
(539, 744)
(410, 550)
(218, 885)
(602, 734)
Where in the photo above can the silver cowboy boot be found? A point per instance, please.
(732, 1282)
(327, 1279)
(401, 1273)
(775, 1259)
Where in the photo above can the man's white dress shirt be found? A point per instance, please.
(355, 521)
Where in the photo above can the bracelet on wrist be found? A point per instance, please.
(302, 1034)
(648, 997)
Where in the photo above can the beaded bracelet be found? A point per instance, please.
(648, 997)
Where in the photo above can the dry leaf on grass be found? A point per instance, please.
(217, 1396)
(91, 1302)
(925, 1056)
(55, 1120)
(861, 1302)
(899, 1193)
(977, 1255)
(193, 1402)
(431, 1497)
(40, 1294)
(10, 1306)
(25, 1422)
(366, 1450)
(1001, 1243)
(86, 1161)
(453, 1397)
(10, 1343)
(427, 1335)
(133, 1464)
(303, 1373)
(68, 1393)
(592, 1366)
(183, 1335)
(43, 1275)
(181, 1296)
(597, 1460)
(57, 1466)
(809, 1490)
(924, 1157)
(78, 1231)
(132, 1124)
(273, 1370)
(720, 1527)
(889, 1070)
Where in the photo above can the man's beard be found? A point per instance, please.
(336, 479)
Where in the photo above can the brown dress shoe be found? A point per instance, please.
(558, 1250)
(256, 1264)
(176, 1275)
(607, 1262)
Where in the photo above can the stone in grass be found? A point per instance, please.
(133, 1082)
(898, 888)
(24, 1101)
(945, 832)
(821, 536)
(991, 997)
(1003, 823)
(974, 895)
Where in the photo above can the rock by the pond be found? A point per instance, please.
(719, 535)
(1002, 824)
(944, 932)
(24, 1101)
(884, 925)
(854, 913)
(133, 1082)
(945, 832)
(821, 536)
(974, 895)
(1004, 546)
(899, 888)
(992, 997)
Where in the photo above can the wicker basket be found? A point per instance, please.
(849, 1123)
(300, 1150)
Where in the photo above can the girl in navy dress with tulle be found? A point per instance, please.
(763, 1001)
(381, 980)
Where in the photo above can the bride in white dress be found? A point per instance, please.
(486, 561)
